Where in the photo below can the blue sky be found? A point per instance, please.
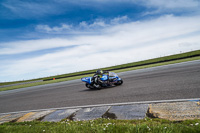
(50, 37)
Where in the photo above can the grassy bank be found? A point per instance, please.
(86, 75)
(41, 83)
(123, 66)
(146, 125)
(133, 64)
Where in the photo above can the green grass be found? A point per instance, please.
(146, 125)
(15, 82)
(159, 64)
(79, 77)
(134, 64)
(41, 83)
(189, 56)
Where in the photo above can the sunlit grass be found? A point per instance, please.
(159, 64)
(79, 77)
(146, 125)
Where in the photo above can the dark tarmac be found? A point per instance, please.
(176, 81)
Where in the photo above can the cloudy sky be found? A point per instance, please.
(50, 37)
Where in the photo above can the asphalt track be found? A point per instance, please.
(176, 81)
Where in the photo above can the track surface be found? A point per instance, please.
(177, 81)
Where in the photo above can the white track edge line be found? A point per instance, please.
(111, 104)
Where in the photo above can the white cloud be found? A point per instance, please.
(46, 28)
(33, 45)
(83, 26)
(157, 3)
(169, 4)
(119, 20)
(31, 9)
(101, 23)
(117, 44)
(96, 24)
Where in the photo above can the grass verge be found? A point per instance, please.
(117, 67)
(87, 75)
(146, 125)
(133, 64)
